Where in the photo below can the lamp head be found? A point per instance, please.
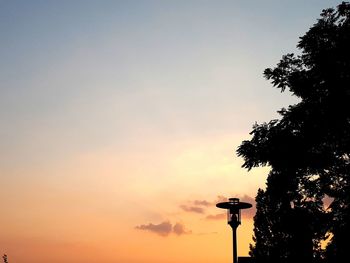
(233, 207)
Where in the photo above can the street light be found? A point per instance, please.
(234, 207)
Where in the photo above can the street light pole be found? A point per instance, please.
(234, 207)
(234, 240)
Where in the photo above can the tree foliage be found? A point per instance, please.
(308, 149)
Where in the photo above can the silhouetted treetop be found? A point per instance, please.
(320, 77)
(324, 59)
(308, 149)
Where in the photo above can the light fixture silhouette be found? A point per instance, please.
(234, 207)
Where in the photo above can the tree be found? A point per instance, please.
(308, 149)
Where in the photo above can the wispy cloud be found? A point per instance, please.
(248, 213)
(248, 199)
(194, 209)
(162, 229)
(196, 206)
(220, 198)
(165, 228)
(216, 216)
(202, 203)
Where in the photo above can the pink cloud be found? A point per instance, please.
(179, 229)
(216, 216)
(162, 229)
(194, 209)
(202, 203)
(165, 228)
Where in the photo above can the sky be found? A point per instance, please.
(120, 121)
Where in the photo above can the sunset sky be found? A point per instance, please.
(120, 120)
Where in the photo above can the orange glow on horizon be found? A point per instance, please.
(93, 215)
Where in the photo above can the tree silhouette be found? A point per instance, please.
(308, 149)
(4, 257)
